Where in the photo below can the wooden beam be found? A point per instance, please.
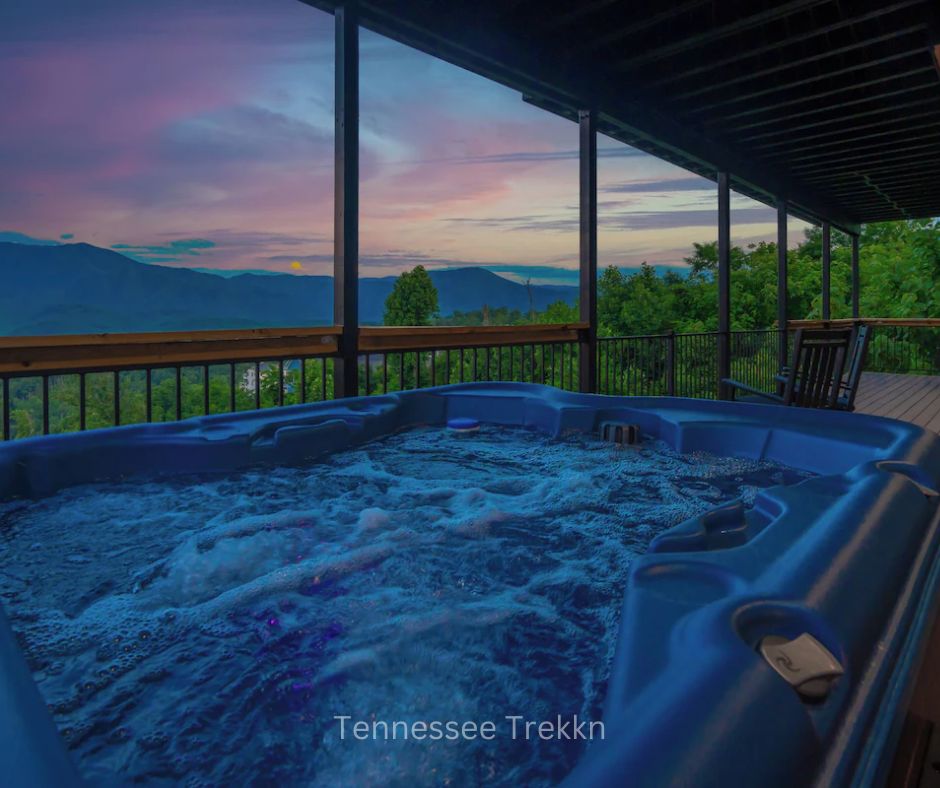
(704, 65)
(736, 97)
(641, 24)
(776, 120)
(749, 75)
(588, 249)
(849, 126)
(843, 149)
(819, 145)
(73, 352)
(893, 76)
(389, 339)
(346, 198)
(886, 161)
(738, 24)
(563, 19)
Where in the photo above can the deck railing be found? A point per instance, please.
(394, 359)
(68, 383)
(684, 365)
(909, 346)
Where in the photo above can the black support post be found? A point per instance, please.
(855, 278)
(782, 291)
(346, 200)
(826, 269)
(724, 280)
(588, 256)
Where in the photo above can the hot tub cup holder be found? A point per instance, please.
(804, 663)
(797, 644)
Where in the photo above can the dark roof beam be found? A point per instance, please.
(840, 118)
(739, 24)
(834, 169)
(830, 107)
(915, 181)
(853, 163)
(641, 24)
(877, 12)
(738, 97)
(845, 145)
(750, 76)
(893, 76)
(582, 9)
(877, 124)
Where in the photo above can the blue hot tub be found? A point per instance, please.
(843, 565)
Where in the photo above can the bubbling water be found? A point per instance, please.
(208, 630)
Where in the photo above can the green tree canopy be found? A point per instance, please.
(413, 300)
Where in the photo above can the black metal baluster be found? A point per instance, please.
(179, 393)
(257, 385)
(368, 374)
(205, 389)
(231, 387)
(385, 373)
(117, 399)
(6, 409)
(45, 404)
(148, 395)
(323, 362)
(303, 381)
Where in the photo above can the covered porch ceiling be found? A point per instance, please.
(832, 105)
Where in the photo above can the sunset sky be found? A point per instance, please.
(200, 134)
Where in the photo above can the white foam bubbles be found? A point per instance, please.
(208, 629)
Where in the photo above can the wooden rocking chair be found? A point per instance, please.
(814, 377)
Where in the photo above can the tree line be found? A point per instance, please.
(899, 262)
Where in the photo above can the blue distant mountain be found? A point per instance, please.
(80, 288)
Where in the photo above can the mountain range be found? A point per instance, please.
(80, 288)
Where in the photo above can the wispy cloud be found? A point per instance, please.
(9, 236)
(512, 157)
(693, 183)
(164, 253)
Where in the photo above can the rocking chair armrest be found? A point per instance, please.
(734, 384)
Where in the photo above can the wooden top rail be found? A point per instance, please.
(908, 322)
(90, 352)
(390, 339)
(74, 352)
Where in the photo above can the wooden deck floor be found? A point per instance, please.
(913, 398)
